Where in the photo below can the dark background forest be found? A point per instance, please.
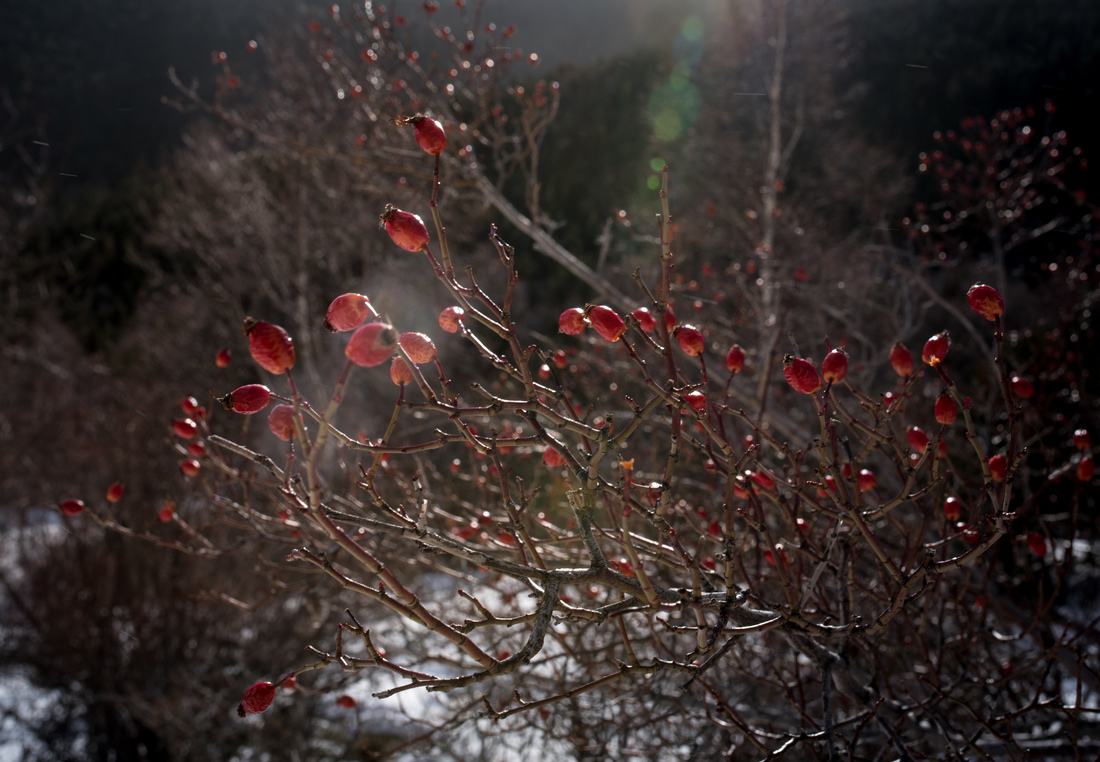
(123, 270)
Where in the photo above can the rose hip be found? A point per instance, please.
(371, 344)
(257, 699)
(952, 509)
(834, 367)
(696, 399)
(247, 399)
(406, 229)
(347, 312)
(1085, 469)
(998, 467)
(271, 346)
(572, 322)
(986, 301)
(1037, 544)
(866, 480)
(735, 359)
(801, 375)
(935, 349)
(645, 319)
(418, 346)
(552, 458)
(72, 507)
(918, 439)
(690, 340)
(606, 322)
(450, 319)
(946, 410)
(185, 428)
(1021, 387)
(281, 422)
(114, 492)
(400, 373)
(901, 360)
(430, 135)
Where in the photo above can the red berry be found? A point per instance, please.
(1081, 440)
(345, 701)
(801, 375)
(223, 358)
(271, 346)
(400, 373)
(935, 349)
(430, 135)
(371, 344)
(281, 422)
(450, 319)
(901, 360)
(572, 322)
(189, 405)
(1037, 544)
(347, 312)
(418, 347)
(762, 479)
(1021, 387)
(167, 512)
(709, 563)
(952, 509)
(625, 567)
(405, 228)
(670, 318)
(735, 359)
(185, 428)
(645, 319)
(998, 467)
(986, 301)
(198, 449)
(190, 467)
(1085, 469)
(552, 458)
(888, 399)
(866, 481)
(560, 359)
(257, 699)
(247, 399)
(969, 533)
(946, 410)
(696, 399)
(114, 492)
(72, 507)
(834, 367)
(606, 322)
(918, 439)
(690, 340)
(290, 683)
